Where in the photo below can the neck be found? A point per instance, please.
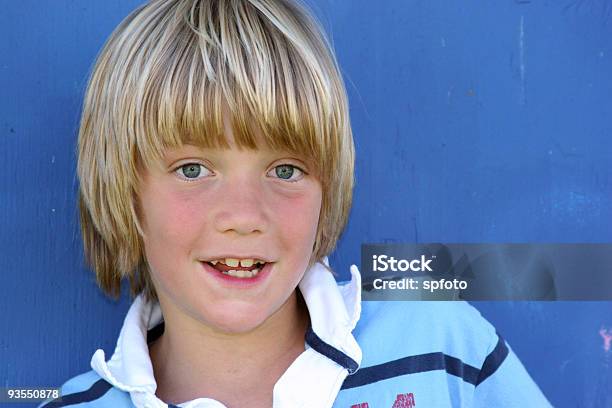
(192, 363)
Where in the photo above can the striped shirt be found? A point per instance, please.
(357, 355)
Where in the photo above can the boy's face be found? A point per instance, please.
(203, 205)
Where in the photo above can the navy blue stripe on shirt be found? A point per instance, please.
(430, 362)
(154, 333)
(493, 360)
(97, 390)
(330, 352)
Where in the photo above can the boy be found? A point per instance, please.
(216, 169)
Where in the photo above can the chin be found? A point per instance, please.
(235, 320)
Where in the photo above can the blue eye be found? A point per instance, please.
(288, 172)
(191, 171)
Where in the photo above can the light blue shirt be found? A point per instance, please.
(357, 355)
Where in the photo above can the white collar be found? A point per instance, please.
(312, 380)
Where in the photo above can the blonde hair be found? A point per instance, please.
(162, 80)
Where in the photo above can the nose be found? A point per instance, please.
(241, 208)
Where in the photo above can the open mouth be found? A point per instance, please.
(238, 268)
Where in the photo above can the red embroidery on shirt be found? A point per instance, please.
(404, 401)
(362, 405)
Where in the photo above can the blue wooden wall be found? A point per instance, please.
(474, 121)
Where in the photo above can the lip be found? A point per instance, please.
(234, 282)
(260, 257)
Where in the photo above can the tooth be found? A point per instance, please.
(241, 273)
(214, 262)
(246, 263)
(231, 262)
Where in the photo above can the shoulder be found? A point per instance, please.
(454, 329)
(88, 389)
(443, 353)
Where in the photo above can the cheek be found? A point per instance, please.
(170, 225)
(297, 219)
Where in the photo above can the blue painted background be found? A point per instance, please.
(474, 121)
